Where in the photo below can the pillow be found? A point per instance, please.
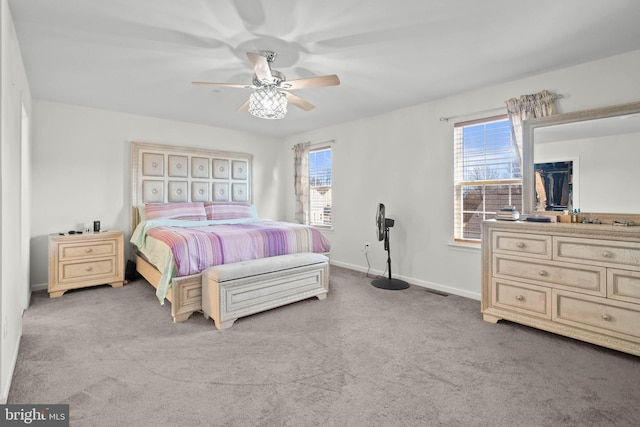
(229, 210)
(189, 211)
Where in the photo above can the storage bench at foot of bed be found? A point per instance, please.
(235, 290)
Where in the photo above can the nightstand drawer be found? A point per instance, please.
(88, 249)
(70, 271)
(615, 318)
(588, 279)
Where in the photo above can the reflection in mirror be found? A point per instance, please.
(554, 186)
(605, 143)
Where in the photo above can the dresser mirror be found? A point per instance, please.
(601, 150)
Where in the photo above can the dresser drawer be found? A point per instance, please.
(521, 297)
(598, 252)
(623, 285)
(588, 279)
(76, 250)
(72, 271)
(538, 246)
(616, 318)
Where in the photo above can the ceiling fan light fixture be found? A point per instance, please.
(268, 103)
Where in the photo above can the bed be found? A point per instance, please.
(191, 209)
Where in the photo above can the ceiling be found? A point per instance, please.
(140, 56)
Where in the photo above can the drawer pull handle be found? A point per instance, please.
(542, 273)
(605, 316)
(519, 297)
(606, 254)
(89, 268)
(520, 245)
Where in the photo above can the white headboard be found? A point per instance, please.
(175, 174)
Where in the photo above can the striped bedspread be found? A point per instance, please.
(198, 248)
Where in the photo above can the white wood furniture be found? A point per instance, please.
(577, 280)
(240, 289)
(88, 259)
(167, 173)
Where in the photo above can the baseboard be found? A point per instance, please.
(39, 287)
(6, 386)
(422, 283)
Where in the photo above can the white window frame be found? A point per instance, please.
(323, 224)
(460, 182)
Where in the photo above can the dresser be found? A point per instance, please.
(577, 280)
(88, 259)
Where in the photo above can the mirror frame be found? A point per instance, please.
(528, 127)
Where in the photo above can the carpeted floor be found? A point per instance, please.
(362, 357)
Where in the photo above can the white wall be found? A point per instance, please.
(81, 168)
(14, 191)
(405, 160)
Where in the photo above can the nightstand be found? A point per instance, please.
(88, 259)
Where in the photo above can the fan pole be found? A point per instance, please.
(388, 249)
(389, 283)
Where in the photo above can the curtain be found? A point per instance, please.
(301, 181)
(528, 107)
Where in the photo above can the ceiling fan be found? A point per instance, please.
(271, 89)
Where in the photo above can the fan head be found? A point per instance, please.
(380, 221)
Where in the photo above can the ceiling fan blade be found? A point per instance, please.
(234, 85)
(260, 66)
(331, 80)
(299, 102)
(244, 107)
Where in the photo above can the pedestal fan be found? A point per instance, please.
(383, 224)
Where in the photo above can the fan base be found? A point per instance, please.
(391, 284)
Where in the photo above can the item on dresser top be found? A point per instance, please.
(538, 219)
(623, 223)
(508, 213)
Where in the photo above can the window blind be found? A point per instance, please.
(320, 187)
(487, 174)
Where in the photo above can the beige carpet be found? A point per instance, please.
(362, 357)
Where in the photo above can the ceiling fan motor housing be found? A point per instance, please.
(277, 78)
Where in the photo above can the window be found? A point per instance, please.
(320, 187)
(488, 176)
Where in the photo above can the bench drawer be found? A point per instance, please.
(260, 290)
